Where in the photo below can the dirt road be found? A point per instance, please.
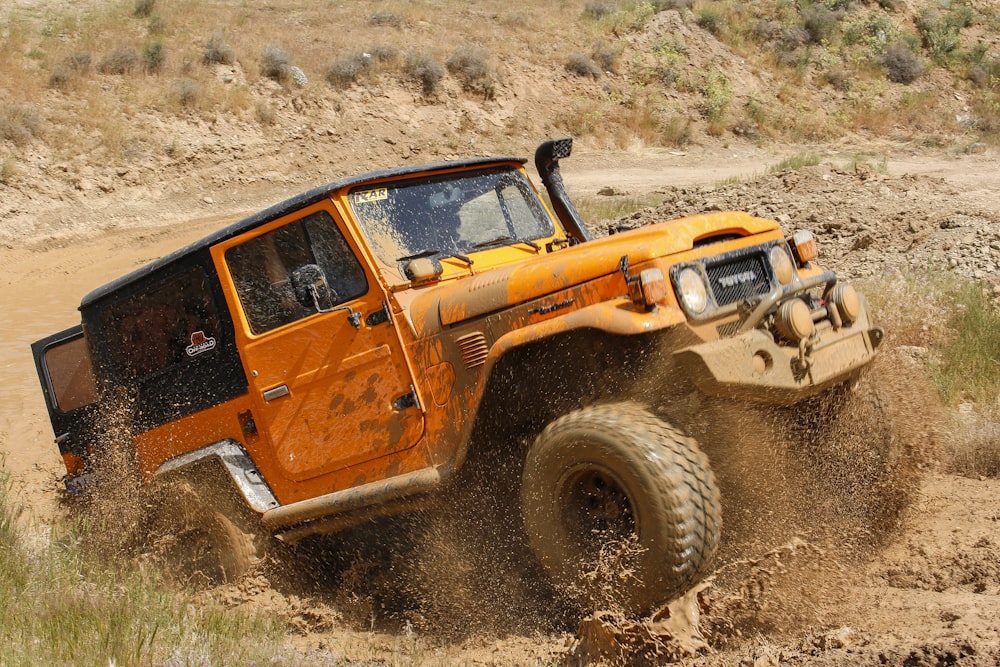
(931, 596)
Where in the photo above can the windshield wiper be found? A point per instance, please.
(508, 240)
(430, 252)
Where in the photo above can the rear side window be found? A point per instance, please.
(70, 375)
(262, 270)
(169, 325)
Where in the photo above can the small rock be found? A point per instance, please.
(208, 200)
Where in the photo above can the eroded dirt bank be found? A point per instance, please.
(924, 591)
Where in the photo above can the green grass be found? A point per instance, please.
(61, 606)
(969, 363)
(795, 162)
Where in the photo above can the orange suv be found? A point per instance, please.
(349, 352)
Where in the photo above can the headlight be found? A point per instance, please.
(692, 291)
(782, 264)
(845, 298)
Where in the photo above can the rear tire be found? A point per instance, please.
(202, 537)
(620, 508)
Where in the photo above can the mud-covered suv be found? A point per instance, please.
(358, 348)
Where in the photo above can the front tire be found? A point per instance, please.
(620, 507)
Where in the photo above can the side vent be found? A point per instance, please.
(474, 349)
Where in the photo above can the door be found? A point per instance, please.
(328, 376)
(65, 372)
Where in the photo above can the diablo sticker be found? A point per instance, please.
(200, 343)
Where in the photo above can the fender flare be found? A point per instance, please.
(236, 462)
(614, 316)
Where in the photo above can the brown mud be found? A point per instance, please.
(831, 556)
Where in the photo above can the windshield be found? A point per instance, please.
(452, 214)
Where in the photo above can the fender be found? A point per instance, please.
(615, 316)
(236, 462)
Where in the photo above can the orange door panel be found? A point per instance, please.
(325, 393)
(328, 392)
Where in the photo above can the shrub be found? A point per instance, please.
(471, 65)
(422, 66)
(20, 123)
(122, 60)
(8, 170)
(153, 57)
(265, 112)
(274, 63)
(663, 5)
(68, 69)
(711, 20)
(185, 91)
(217, 52)
(385, 19)
(716, 94)
(144, 8)
(582, 65)
(345, 70)
(606, 55)
(901, 64)
(821, 23)
(938, 35)
(598, 9)
(384, 54)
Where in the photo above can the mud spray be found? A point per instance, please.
(808, 492)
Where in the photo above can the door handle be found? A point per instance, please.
(277, 392)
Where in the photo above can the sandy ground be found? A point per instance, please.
(931, 596)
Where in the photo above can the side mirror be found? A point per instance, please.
(310, 286)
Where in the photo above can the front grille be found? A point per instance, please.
(739, 278)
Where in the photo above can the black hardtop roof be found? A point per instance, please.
(272, 213)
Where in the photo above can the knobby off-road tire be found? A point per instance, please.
(201, 537)
(620, 507)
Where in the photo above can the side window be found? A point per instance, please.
(169, 325)
(69, 371)
(262, 270)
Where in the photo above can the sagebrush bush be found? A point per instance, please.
(939, 35)
(346, 69)
(8, 170)
(143, 8)
(385, 19)
(265, 113)
(471, 65)
(663, 5)
(153, 57)
(606, 55)
(425, 68)
(710, 19)
(582, 65)
(67, 69)
(122, 60)
(20, 123)
(185, 91)
(275, 63)
(597, 9)
(821, 23)
(217, 52)
(901, 64)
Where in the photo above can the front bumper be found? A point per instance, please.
(753, 366)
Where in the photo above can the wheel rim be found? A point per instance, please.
(595, 508)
